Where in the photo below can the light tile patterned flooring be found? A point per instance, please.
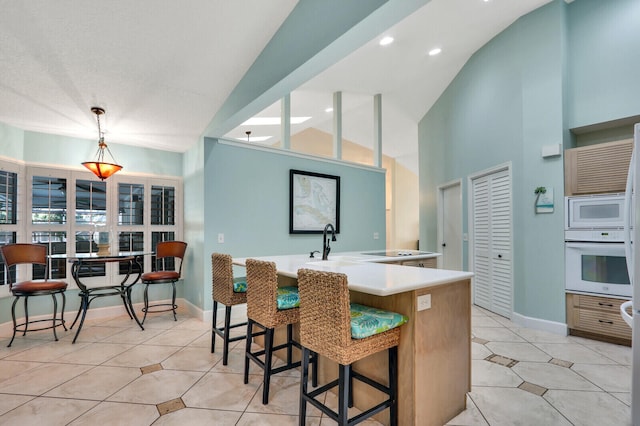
(118, 374)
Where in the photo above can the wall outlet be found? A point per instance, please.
(424, 302)
(220, 238)
(376, 236)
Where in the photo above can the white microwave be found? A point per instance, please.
(594, 212)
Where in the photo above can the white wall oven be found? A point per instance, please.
(594, 246)
(599, 268)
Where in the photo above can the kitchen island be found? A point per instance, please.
(434, 355)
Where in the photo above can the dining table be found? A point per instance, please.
(83, 261)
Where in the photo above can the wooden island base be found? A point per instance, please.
(434, 356)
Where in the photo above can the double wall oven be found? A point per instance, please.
(594, 245)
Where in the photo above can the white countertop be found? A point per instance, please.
(366, 276)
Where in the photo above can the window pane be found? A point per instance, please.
(169, 262)
(130, 204)
(56, 243)
(85, 244)
(8, 197)
(91, 202)
(6, 238)
(163, 205)
(49, 200)
(129, 241)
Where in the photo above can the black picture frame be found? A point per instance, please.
(314, 201)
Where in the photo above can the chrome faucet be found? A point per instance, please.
(325, 240)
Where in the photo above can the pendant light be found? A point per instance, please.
(99, 167)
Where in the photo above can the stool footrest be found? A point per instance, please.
(171, 308)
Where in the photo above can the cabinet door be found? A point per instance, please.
(597, 168)
(492, 264)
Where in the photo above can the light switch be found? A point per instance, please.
(376, 236)
(424, 302)
(220, 238)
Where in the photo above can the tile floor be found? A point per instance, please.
(118, 374)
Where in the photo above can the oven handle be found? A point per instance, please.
(604, 247)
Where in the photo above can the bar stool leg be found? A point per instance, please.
(304, 377)
(213, 328)
(247, 350)
(268, 356)
(227, 326)
(13, 317)
(55, 311)
(343, 395)
(289, 343)
(393, 385)
(26, 315)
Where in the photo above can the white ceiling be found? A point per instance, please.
(162, 69)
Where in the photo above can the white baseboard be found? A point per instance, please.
(540, 324)
(116, 310)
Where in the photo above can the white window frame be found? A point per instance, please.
(26, 227)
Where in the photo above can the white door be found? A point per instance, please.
(491, 241)
(450, 226)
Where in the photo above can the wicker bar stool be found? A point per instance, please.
(344, 333)
(229, 293)
(269, 307)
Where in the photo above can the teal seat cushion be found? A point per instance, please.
(288, 298)
(367, 321)
(240, 287)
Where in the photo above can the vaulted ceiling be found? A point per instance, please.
(169, 72)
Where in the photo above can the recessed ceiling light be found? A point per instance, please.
(267, 121)
(328, 109)
(434, 52)
(386, 41)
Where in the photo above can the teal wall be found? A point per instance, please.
(603, 61)
(11, 142)
(67, 151)
(246, 197)
(524, 89)
(197, 261)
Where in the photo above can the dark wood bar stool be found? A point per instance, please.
(269, 307)
(164, 272)
(36, 255)
(229, 292)
(345, 333)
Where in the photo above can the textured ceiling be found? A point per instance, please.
(163, 69)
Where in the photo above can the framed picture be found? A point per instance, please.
(314, 202)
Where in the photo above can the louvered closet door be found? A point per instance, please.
(493, 283)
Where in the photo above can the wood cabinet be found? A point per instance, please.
(597, 317)
(597, 169)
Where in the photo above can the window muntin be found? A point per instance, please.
(48, 200)
(129, 241)
(163, 204)
(56, 243)
(167, 264)
(130, 204)
(91, 202)
(6, 238)
(8, 197)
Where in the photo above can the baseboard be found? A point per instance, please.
(184, 305)
(540, 324)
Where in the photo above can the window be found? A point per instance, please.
(91, 202)
(8, 212)
(163, 205)
(8, 197)
(64, 210)
(48, 200)
(130, 204)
